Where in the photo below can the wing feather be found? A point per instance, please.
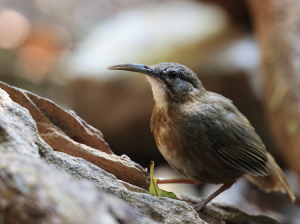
(234, 140)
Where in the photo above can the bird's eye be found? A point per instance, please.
(173, 75)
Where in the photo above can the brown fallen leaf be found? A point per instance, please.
(47, 114)
(66, 132)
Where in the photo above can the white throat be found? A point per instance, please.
(159, 93)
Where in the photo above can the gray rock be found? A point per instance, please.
(34, 192)
(150, 209)
(18, 130)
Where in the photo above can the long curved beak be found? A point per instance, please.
(144, 69)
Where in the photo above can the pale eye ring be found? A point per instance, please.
(173, 75)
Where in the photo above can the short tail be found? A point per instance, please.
(276, 181)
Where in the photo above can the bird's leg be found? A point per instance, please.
(202, 204)
(177, 181)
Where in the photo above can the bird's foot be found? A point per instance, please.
(198, 207)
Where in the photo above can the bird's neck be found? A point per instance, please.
(159, 94)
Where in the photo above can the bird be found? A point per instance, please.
(201, 134)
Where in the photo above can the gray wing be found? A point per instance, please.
(234, 140)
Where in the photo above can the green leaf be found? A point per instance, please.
(154, 189)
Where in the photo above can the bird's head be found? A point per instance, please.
(171, 82)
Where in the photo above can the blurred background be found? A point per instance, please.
(61, 49)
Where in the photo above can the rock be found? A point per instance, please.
(68, 133)
(51, 117)
(17, 129)
(230, 214)
(150, 209)
(72, 189)
(33, 192)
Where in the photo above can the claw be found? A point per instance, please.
(198, 207)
